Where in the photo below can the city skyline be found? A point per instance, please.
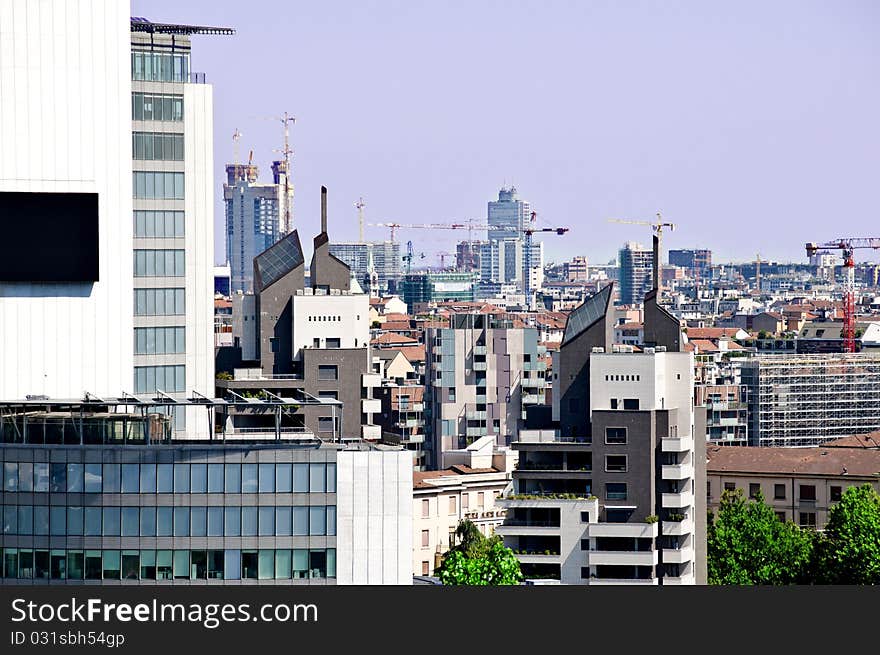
(735, 116)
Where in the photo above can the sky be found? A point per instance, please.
(753, 126)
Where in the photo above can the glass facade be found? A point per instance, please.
(170, 379)
(158, 224)
(159, 66)
(159, 340)
(156, 107)
(159, 302)
(157, 146)
(161, 185)
(159, 263)
(166, 513)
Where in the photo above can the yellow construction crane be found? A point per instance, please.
(657, 226)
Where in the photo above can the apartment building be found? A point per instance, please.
(482, 375)
(800, 484)
(609, 496)
(468, 489)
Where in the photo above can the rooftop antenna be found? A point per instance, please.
(235, 137)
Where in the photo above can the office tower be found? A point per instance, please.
(429, 287)
(385, 256)
(254, 217)
(501, 260)
(65, 199)
(697, 262)
(467, 255)
(507, 216)
(808, 399)
(483, 373)
(173, 180)
(615, 496)
(577, 270)
(636, 263)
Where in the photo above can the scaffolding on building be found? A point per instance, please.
(806, 400)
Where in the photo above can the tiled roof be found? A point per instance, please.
(392, 337)
(818, 460)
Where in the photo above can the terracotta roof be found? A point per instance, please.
(870, 440)
(628, 326)
(711, 333)
(396, 316)
(397, 325)
(413, 353)
(222, 302)
(420, 478)
(392, 337)
(550, 345)
(805, 461)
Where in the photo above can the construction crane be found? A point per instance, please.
(410, 255)
(528, 231)
(429, 226)
(360, 207)
(657, 226)
(443, 255)
(235, 137)
(847, 246)
(286, 151)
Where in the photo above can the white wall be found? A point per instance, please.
(65, 126)
(199, 198)
(353, 328)
(374, 498)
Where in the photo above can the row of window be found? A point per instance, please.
(160, 302)
(158, 224)
(316, 477)
(453, 503)
(807, 492)
(160, 185)
(157, 146)
(159, 263)
(159, 66)
(623, 378)
(156, 107)
(170, 379)
(159, 340)
(264, 521)
(229, 564)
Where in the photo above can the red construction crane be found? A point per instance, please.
(847, 246)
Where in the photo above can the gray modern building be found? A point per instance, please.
(698, 262)
(255, 216)
(636, 263)
(613, 496)
(95, 494)
(383, 256)
(482, 375)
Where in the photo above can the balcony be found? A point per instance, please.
(410, 423)
(678, 556)
(369, 406)
(371, 431)
(677, 528)
(480, 350)
(537, 558)
(622, 581)
(534, 383)
(480, 399)
(622, 557)
(634, 530)
(531, 399)
(477, 432)
(525, 529)
(475, 416)
(677, 471)
(480, 366)
(676, 444)
(677, 500)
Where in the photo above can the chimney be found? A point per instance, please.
(655, 283)
(323, 210)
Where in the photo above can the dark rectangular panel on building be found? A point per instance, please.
(49, 237)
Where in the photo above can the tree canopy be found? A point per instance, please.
(848, 552)
(478, 560)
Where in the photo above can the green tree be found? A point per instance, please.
(477, 560)
(849, 550)
(748, 545)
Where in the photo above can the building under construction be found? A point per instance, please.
(805, 400)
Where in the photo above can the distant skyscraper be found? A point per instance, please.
(254, 216)
(507, 215)
(501, 260)
(697, 262)
(386, 260)
(635, 273)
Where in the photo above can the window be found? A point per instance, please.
(329, 394)
(426, 508)
(585, 544)
(615, 435)
(426, 568)
(159, 66)
(630, 403)
(834, 494)
(465, 500)
(249, 483)
(451, 393)
(160, 302)
(159, 185)
(781, 516)
(327, 372)
(325, 424)
(148, 379)
(729, 486)
(779, 492)
(425, 538)
(153, 224)
(157, 146)
(283, 478)
(156, 107)
(615, 491)
(808, 493)
(481, 499)
(159, 340)
(754, 489)
(453, 506)
(159, 263)
(807, 519)
(616, 463)
(334, 342)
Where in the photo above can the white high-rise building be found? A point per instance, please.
(173, 163)
(65, 128)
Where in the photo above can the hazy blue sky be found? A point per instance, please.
(752, 125)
